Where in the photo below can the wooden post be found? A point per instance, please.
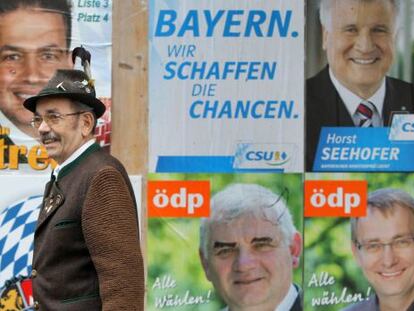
(129, 137)
(129, 140)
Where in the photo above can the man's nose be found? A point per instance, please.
(44, 127)
(389, 257)
(32, 70)
(364, 42)
(245, 261)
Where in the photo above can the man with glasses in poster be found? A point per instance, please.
(248, 249)
(359, 37)
(383, 246)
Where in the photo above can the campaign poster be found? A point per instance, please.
(177, 206)
(337, 272)
(35, 42)
(355, 100)
(226, 86)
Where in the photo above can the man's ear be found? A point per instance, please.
(88, 122)
(355, 252)
(204, 263)
(296, 249)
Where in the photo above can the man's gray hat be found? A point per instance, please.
(72, 84)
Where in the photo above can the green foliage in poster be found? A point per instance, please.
(330, 270)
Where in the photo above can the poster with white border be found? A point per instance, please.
(226, 86)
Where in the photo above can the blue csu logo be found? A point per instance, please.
(402, 128)
(265, 156)
(272, 158)
(408, 127)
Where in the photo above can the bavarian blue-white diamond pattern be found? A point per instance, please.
(17, 225)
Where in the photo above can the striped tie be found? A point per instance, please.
(364, 114)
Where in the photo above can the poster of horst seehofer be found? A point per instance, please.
(219, 241)
(359, 91)
(226, 86)
(36, 38)
(362, 258)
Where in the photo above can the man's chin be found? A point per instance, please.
(51, 151)
(250, 298)
(392, 288)
(365, 75)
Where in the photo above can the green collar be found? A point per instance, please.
(66, 169)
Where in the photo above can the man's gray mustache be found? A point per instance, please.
(49, 136)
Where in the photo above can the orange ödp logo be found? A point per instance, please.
(178, 198)
(335, 198)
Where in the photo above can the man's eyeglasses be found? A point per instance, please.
(378, 247)
(52, 118)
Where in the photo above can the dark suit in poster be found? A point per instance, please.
(324, 107)
(370, 305)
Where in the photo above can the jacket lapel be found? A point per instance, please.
(297, 306)
(53, 197)
(395, 102)
(52, 200)
(334, 111)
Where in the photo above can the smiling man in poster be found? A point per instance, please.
(34, 42)
(248, 249)
(383, 246)
(359, 38)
